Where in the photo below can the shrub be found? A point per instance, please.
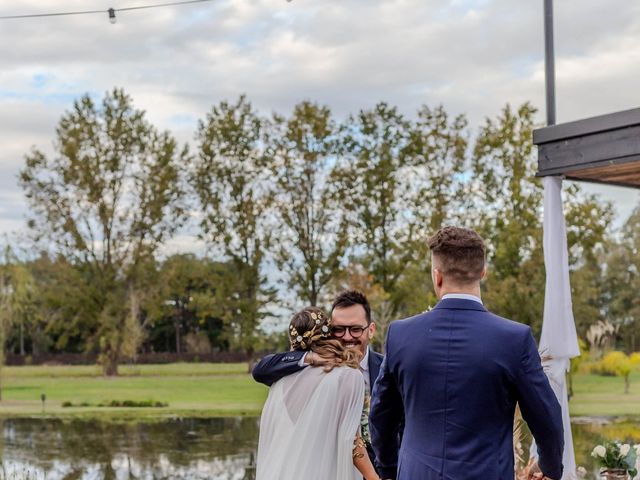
(618, 364)
(635, 359)
(134, 404)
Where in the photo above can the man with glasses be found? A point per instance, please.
(350, 323)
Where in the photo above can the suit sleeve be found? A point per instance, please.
(385, 417)
(276, 366)
(540, 409)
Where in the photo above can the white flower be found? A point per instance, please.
(624, 449)
(599, 451)
(299, 338)
(325, 329)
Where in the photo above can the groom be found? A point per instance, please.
(456, 373)
(350, 323)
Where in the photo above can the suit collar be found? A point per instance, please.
(375, 360)
(459, 304)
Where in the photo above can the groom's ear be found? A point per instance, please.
(437, 277)
(483, 275)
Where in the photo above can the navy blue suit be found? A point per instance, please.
(456, 374)
(277, 365)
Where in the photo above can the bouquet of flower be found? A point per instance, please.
(614, 455)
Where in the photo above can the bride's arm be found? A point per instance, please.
(362, 461)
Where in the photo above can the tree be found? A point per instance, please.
(17, 300)
(374, 161)
(622, 281)
(588, 223)
(187, 301)
(231, 178)
(315, 234)
(506, 208)
(437, 159)
(107, 199)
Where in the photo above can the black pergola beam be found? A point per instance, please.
(603, 149)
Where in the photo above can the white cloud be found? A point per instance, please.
(473, 56)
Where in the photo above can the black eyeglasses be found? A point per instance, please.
(355, 331)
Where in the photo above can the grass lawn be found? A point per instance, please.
(204, 389)
(595, 395)
(194, 389)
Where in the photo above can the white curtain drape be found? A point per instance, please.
(559, 340)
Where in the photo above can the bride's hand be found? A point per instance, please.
(315, 360)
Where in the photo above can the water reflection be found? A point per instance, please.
(216, 448)
(213, 449)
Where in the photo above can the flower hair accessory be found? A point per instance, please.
(320, 329)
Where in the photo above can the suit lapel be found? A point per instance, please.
(375, 360)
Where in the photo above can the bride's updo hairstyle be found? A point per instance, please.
(310, 330)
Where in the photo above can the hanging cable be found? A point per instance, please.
(111, 11)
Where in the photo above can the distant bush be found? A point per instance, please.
(120, 403)
(617, 364)
(635, 359)
(134, 404)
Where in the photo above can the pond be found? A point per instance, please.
(187, 448)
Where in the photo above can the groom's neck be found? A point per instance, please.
(467, 290)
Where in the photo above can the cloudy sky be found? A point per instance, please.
(472, 56)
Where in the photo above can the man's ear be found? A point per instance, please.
(437, 277)
(372, 329)
(484, 272)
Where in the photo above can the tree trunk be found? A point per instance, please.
(250, 353)
(110, 367)
(178, 350)
(22, 339)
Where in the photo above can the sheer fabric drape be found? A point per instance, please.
(309, 424)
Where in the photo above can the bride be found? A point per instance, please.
(310, 422)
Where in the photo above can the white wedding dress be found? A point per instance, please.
(309, 424)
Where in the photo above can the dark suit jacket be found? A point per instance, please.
(457, 373)
(277, 365)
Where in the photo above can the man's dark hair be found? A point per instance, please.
(460, 252)
(348, 298)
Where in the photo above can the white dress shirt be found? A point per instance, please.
(364, 368)
(463, 296)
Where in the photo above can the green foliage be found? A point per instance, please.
(320, 204)
(634, 358)
(622, 282)
(188, 300)
(231, 179)
(315, 236)
(374, 165)
(616, 455)
(108, 198)
(617, 364)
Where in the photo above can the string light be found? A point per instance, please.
(111, 11)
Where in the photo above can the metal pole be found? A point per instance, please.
(549, 62)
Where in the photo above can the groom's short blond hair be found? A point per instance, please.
(460, 254)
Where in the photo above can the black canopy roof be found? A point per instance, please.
(603, 149)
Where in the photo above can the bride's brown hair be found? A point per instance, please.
(310, 329)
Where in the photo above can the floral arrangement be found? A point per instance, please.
(614, 455)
